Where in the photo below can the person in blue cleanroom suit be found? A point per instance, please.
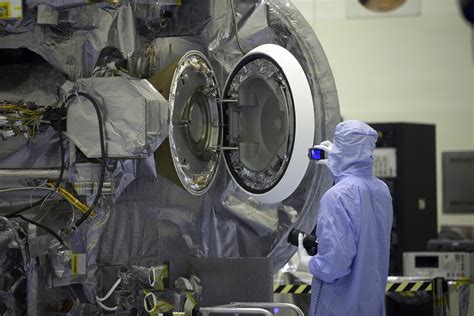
(353, 229)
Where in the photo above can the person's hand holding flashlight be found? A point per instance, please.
(320, 153)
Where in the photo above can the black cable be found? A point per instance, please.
(57, 184)
(103, 157)
(61, 172)
(236, 27)
(49, 230)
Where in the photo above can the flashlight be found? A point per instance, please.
(316, 154)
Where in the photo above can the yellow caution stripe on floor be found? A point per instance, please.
(402, 286)
(292, 289)
(406, 286)
(391, 287)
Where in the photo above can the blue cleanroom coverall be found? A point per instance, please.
(354, 224)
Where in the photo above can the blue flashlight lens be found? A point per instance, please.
(316, 154)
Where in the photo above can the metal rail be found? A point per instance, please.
(267, 305)
(233, 310)
(22, 174)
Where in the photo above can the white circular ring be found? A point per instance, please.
(304, 121)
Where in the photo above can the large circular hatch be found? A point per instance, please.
(268, 123)
(259, 126)
(263, 124)
(194, 122)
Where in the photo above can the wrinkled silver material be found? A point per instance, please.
(38, 82)
(74, 45)
(40, 152)
(152, 217)
(134, 116)
(12, 241)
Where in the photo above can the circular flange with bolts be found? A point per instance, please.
(194, 131)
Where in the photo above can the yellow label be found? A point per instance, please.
(74, 265)
(5, 10)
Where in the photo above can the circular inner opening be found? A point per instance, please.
(196, 117)
(259, 127)
(266, 130)
(197, 123)
(382, 5)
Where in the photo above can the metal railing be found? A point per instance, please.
(233, 310)
(259, 308)
(288, 306)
